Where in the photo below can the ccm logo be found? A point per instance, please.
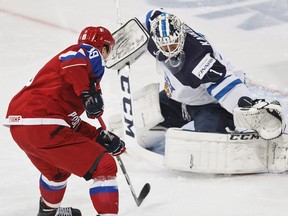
(127, 106)
(248, 136)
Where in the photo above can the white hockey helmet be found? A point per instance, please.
(167, 31)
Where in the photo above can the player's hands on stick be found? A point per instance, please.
(93, 103)
(113, 144)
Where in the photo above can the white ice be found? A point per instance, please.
(252, 34)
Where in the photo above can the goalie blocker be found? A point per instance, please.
(131, 41)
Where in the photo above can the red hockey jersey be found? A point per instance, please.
(53, 96)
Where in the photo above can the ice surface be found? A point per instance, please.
(252, 34)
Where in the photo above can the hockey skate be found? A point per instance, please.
(60, 211)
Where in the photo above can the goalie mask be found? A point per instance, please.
(167, 31)
(97, 37)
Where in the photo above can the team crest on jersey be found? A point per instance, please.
(168, 87)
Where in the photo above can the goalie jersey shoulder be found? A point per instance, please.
(201, 66)
(205, 77)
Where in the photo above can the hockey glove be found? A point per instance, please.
(113, 144)
(93, 103)
(263, 117)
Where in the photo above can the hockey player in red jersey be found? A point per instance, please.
(44, 120)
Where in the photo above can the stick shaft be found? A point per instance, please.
(117, 4)
(122, 166)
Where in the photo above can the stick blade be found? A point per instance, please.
(144, 192)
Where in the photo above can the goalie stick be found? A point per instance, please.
(126, 51)
(145, 190)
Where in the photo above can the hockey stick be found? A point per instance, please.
(119, 22)
(145, 190)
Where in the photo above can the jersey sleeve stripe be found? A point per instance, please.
(74, 65)
(227, 89)
(72, 55)
(220, 89)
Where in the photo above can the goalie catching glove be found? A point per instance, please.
(263, 117)
(111, 142)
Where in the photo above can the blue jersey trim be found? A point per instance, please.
(95, 59)
(214, 85)
(227, 89)
(107, 189)
(51, 188)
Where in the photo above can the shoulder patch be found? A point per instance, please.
(203, 66)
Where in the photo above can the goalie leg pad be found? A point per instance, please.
(215, 153)
(146, 115)
(278, 150)
(236, 153)
(115, 125)
(146, 107)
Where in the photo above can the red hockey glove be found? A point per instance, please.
(113, 144)
(93, 103)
